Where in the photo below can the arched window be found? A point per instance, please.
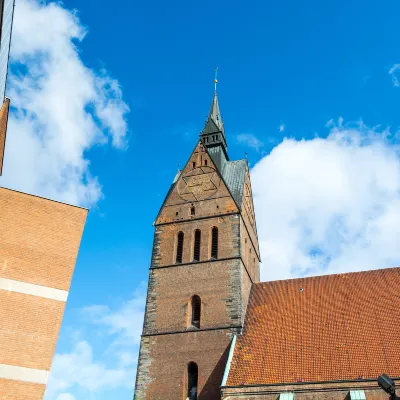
(179, 248)
(197, 243)
(193, 373)
(196, 311)
(214, 243)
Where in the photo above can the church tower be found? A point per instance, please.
(204, 262)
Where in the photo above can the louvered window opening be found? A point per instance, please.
(179, 248)
(197, 243)
(214, 243)
(192, 381)
(196, 311)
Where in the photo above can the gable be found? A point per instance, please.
(247, 205)
(200, 183)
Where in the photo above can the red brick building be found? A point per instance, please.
(212, 330)
(39, 242)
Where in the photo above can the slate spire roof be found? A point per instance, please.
(214, 121)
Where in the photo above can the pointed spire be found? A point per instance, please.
(213, 134)
(215, 114)
(214, 121)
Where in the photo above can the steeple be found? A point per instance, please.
(213, 134)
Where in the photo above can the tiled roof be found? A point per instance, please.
(326, 328)
(233, 172)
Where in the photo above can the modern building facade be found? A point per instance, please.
(6, 21)
(39, 242)
(213, 331)
(39, 245)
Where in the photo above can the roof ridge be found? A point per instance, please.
(326, 275)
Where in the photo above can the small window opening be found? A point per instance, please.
(192, 211)
(193, 373)
(194, 164)
(205, 162)
(179, 248)
(217, 137)
(197, 242)
(176, 214)
(357, 395)
(196, 311)
(286, 396)
(214, 243)
(207, 138)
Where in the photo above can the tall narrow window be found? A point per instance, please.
(197, 243)
(194, 164)
(192, 211)
(179, 248)
(193, 373)
(196, 311)
(214, 243)
(205, 163)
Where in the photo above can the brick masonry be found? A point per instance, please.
(169, 343)
(307, 391)
(17, 390)
(39, 245)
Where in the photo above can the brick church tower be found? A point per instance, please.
(204, 262)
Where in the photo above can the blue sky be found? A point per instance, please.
(118, 96)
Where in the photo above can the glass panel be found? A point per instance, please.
(5, 44)
(357, 395)
(286, 396)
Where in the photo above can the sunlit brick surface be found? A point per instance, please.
(39, 245)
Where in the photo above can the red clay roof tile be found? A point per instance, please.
(325, 328)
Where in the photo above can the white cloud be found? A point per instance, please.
(66, 396)
(329, 205)
(281, 127)
(81, 371)
(62, 108)
(250, 140)
(392, 72)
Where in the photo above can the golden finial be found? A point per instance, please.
(215, 79)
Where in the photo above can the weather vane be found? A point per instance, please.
(215, 79)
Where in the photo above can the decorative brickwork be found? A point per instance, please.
(199, 201)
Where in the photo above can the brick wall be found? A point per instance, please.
(169, 343)
(317, 391)
(164, 359)
(39, 245)
(17, 390)
(3, 129)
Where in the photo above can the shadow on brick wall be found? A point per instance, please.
(211, 390)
